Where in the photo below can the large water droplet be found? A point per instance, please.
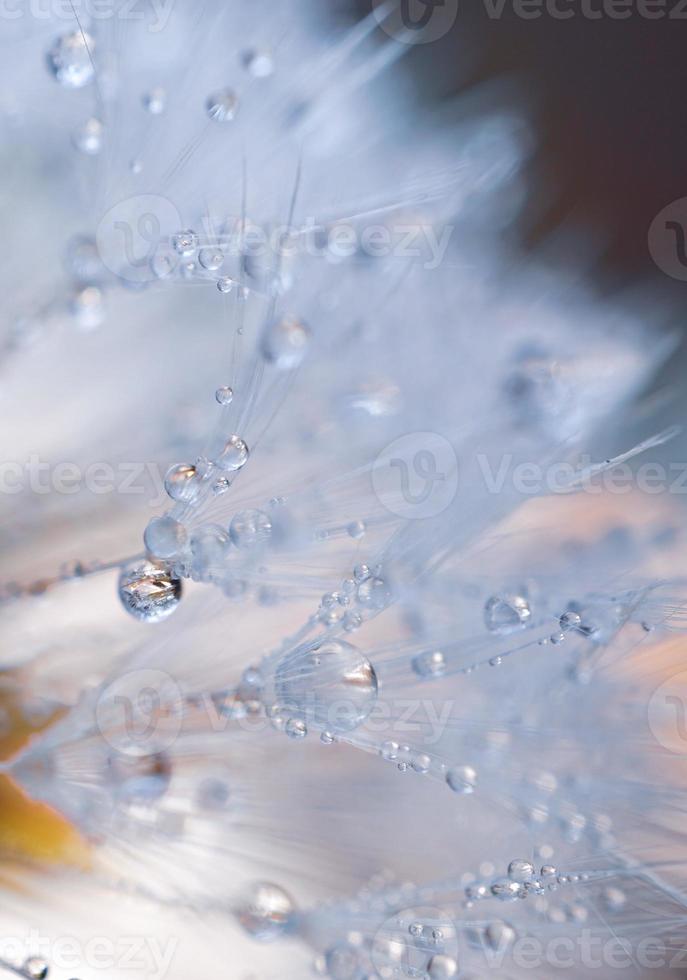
(148, 591)
(182, 482)
(267, 911)
(329, 683)
(505, 614)
(164, 537)
(234, 455)
(69, 59)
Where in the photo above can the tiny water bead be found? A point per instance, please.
(222, 106)
(506, 890)
(224, 396)
(87, 305)
(234, 456)
(148, 591)
(520, 870)
(69, 59)
(462, 779)
(211, 259)
(185, 243)
(374, 593)
(442, 967)
(296, 728)
(88, 138)
(504, 614)
(182, 482)
(431, 663)
(35, 968)
(155, 101)
(250, 529)
(328, 682)
(499, 935)
(165, 537)
(356, 530)
(267, 912)
(285, 343)
(226, 284)
(259, 64)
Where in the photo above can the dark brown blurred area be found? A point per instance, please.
(606, 97)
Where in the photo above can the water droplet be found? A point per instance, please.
(520, 870)
(296, 728)
(259, 64)
(421, 763)
(505, 614)
(548, 871)
(69, 59)
(185, 243)
(182, 482)
(499, 935)
(88, 138)
(87, 306)
(224, 396)
(506, 890)
(155, 101)
(225, 284)
(328, 682)
(211, 258)
(222, 106)
(234, 456)
(442, 967)
(431, 663)
(285, 342)
(614, 898)
(462, 779)
(267, 912)
(36, 968)
(570, 620)
(148, 591)
(356, 530)
(389, 751)
(250, 529)
(164, 537)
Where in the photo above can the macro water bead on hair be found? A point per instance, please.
(328, 683)
(164, 537)
(69, 59)
(267, 911)
(222, 106)
(149, 591)
(182, 482)
(505, 614)
(224, 395)
(234, 456)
